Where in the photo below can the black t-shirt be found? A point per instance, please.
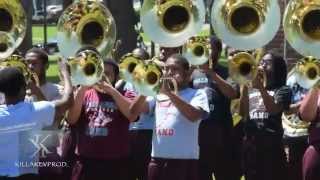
(261, 121)
(218, 103)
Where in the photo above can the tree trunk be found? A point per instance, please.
(125, 19)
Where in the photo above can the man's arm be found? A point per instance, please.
(293, 109)
(75, 110)
(309, 106)
(139, 105)
(226, 89)
(191, 112)
(66, 101)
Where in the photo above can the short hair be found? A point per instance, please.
(216, 42)
(11, 81)
(181, 60)
(114, 64)
(141, 53)
(41, 54)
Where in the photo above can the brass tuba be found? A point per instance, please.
(307, 72)
(245, 24)
(86, 23)
(243, 66)
(170, 23)
(86, 68)
(197, 50)
(13, 23)
(302, 26)
(18, 61)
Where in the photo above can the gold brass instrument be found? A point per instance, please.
(86, 23)
(86, 68)
(13, 23)
(197, 50)
(245, 24)
(19, 62)
(127, 65)
(170, 23)
(302, 26)
(243, 66)
(307, 72)
(146, 78)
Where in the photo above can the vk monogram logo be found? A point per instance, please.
(40, 145)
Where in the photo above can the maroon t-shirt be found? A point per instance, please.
(314, 130)
(102, 129)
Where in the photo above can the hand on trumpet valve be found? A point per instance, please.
(166, 86)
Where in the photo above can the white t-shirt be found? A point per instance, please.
(50, 91)
(17, 123)
(176, 137)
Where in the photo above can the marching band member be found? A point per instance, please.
(19, 118)
(101, 116)
(309, 112)
(175, 150)
(261, 108)
(295, 130)
(140, 136)
(38, 62)
(216, 152)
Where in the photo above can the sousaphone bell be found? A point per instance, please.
(245, 24)
(170, 23)
(197, 50)
(301, 24)
(86, 23)
(13, 23)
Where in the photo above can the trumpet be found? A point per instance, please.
(127, 65)
(307, 72)
(197, 50)
(86, 23)
(243, 67)
(86, 68)
(19, 62)
(302, 27)
(13, 23)
(170, 23)
(244, 24)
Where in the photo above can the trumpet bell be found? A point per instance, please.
(197, 50)
(86, 68)
(302, 26)
(13, 23)
(86, 23)
(244, 24)
(307, 72)
(170, 23)
(243, 68)
(147, 78)
(127, 65)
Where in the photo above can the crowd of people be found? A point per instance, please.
(112, 132)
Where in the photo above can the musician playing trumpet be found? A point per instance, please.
(261, 107)
(175, 150)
